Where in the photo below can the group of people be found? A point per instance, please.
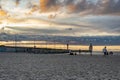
(105, 51)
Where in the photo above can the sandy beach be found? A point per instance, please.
(58, 67)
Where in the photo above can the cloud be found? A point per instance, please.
(58, 16)
(17, 2)
(71, 26)
(48, 5)
(84, 7)
(101, 7)
(3, 13)
(108, 7)
(80, 7)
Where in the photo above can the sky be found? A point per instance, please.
(60, 17)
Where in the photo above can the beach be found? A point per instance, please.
(21, 66)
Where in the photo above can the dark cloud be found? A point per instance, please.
(101, 7)
(17, 2)
(68, 2)
(78, 7)
(107, 7)
(83, 6)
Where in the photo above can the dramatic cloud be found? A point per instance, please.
(86, 7)
(61, 17)
(108, 7)
(82, 7)
(17, 2)
(75, 26)
(48, 5)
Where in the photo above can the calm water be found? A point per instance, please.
(43, 44)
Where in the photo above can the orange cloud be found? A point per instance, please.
(43, 5)
(3, 13)
(71, 8)
(0, 22)
(48, 5)
(17, 2)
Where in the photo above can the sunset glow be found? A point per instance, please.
(48, 18)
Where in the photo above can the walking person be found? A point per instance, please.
(91, 48)
(105, 51)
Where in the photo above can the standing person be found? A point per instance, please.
(105, 50)
(67, 46)
(91, 48)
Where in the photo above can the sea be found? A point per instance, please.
(55, 45)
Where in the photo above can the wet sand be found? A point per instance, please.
(58, 67)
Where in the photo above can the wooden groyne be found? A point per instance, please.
(32, 50)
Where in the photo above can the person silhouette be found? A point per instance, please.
(91, 48)
(105, 51)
